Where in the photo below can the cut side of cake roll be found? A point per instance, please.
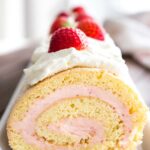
(80, 97)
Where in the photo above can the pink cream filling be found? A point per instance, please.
(78, 127)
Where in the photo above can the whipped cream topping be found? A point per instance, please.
(40, 50)
(99, 54)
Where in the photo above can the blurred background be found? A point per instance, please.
(24, 23)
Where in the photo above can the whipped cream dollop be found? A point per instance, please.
(43, 48)
(99, 54)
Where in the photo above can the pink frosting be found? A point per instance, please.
(28, 125)
(80, 128)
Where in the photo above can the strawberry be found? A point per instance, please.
(66, 38)
(58, 23)
(78, 10)
(63, 14)
(91, 29)
(81, 17)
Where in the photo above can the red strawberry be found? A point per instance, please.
(81, 17)
(66, 38)
(91, 29)
(78, 10)
(58, 23)
(63, 14)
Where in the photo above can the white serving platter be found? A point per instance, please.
(20, 88)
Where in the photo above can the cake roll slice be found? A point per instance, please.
(80, 108)
(80, 97)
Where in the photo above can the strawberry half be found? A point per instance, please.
(58, 23)
(78, 10)
(82, 17)
(91, 29)
(66, 38)
(63, 14)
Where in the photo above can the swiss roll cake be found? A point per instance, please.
(80, 95)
